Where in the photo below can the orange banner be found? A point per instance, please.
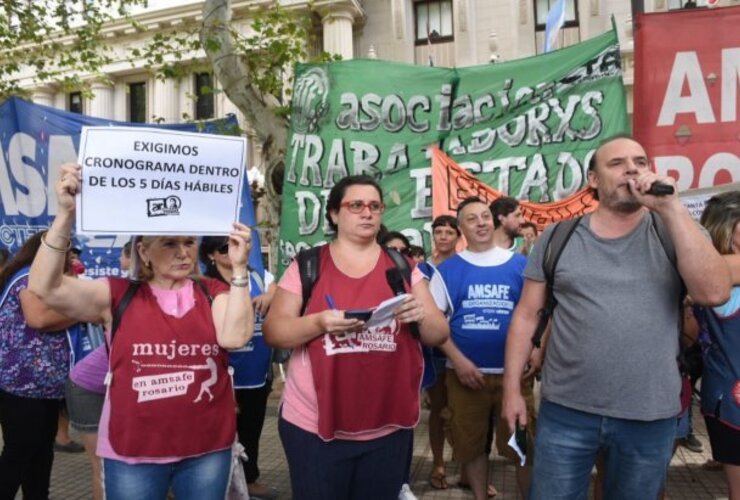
(451, 184)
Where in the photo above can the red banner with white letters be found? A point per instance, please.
(687, 94)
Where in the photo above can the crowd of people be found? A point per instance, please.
(160, 371)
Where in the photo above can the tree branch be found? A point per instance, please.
(235, 79)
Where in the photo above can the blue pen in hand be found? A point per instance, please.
(330, 301)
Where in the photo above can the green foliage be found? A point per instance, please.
(169, 53)
(278, 38)
(52, 37)
(62, 39)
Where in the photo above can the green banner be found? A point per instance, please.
(526, 127)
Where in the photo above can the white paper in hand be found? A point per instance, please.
(384, 312)
(514, 446)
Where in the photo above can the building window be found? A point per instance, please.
(542, 7)
(686, 4)
(74, 102)
(137, 102)
(204, 97)
(433, 21)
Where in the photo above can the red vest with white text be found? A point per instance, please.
(368, 380)
(170, 392)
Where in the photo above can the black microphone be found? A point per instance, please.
(658, 188)
(395, 281)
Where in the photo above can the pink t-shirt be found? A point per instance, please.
(299, 404)
(175, 303)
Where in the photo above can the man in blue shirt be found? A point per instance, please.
(484, 283)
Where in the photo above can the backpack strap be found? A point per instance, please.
(670, 251)
(204, 289)
(400, 262)
(668, 248)
(308, 268)
(133, 287)
(560, 235)
(554, 248)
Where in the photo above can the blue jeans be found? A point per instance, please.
(198, 478)
(636, 454)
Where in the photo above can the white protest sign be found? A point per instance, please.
(696, 199)
(151, 181)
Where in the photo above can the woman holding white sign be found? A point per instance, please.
(168, 418)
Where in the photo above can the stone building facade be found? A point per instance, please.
(446, 32)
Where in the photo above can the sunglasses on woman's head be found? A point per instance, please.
(357, 206)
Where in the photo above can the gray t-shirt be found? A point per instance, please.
(614, 342)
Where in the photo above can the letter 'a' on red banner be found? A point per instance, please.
(687, 94)
(451, 184)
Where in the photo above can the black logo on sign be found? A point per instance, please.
(157, 207)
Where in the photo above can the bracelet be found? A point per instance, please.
(53, 248)
(60, 235)
(240, 281)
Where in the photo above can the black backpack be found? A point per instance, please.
(553, 249)
(308, 268)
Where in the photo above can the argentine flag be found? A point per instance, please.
(555, 21)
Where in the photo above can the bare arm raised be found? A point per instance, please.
(704, 271)
(40, 317)
(83, 300)
(233, 314)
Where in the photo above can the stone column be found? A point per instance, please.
(101, 105)
(166, 100)
(120, 101)
(184, 97)
(60, 100)
(338, 38)
(43, 96)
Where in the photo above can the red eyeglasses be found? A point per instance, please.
(357, 206)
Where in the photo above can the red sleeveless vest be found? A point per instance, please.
(170, 392)
(368, 380)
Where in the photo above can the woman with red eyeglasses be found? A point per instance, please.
(351, 399)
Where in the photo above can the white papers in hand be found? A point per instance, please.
(384, 312)
(515, 446)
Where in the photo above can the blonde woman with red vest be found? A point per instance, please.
(351, 399)
(168, 419)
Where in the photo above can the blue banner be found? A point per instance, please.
(35, 141)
